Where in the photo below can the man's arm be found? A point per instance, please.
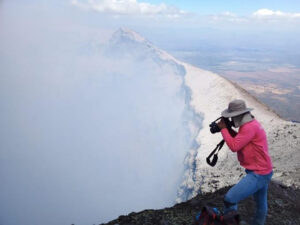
(243, 137)
(222, 125)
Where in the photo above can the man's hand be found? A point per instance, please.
(221, 124)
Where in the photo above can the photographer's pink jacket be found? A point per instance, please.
(251, 146)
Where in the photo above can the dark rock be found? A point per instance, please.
(283, 209)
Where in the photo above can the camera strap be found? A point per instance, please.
(215, 154)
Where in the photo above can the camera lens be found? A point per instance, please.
(214, 128)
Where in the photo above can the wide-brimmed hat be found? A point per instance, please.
(235, 108)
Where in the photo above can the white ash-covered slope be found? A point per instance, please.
(209, 94)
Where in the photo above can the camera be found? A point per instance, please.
(214, 128)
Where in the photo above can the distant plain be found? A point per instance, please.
(271, 76)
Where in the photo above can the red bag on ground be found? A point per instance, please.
(212, 216)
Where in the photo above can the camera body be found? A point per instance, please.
(214, 128)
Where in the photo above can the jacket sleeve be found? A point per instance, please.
(243, 137)
(232, 132)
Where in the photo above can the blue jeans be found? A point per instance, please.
(252, 184)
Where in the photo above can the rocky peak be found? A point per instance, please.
(124, 35)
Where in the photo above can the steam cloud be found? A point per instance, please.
(84, 137)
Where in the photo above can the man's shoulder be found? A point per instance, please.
(253, 124)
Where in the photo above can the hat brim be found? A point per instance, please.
(227, 114)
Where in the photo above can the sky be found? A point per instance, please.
(240, 7)
(62, 99)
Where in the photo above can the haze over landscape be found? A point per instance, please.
(96, 121)
(270, 75)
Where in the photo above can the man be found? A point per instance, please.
(250, 144)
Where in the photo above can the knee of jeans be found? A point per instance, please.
(228, 201)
